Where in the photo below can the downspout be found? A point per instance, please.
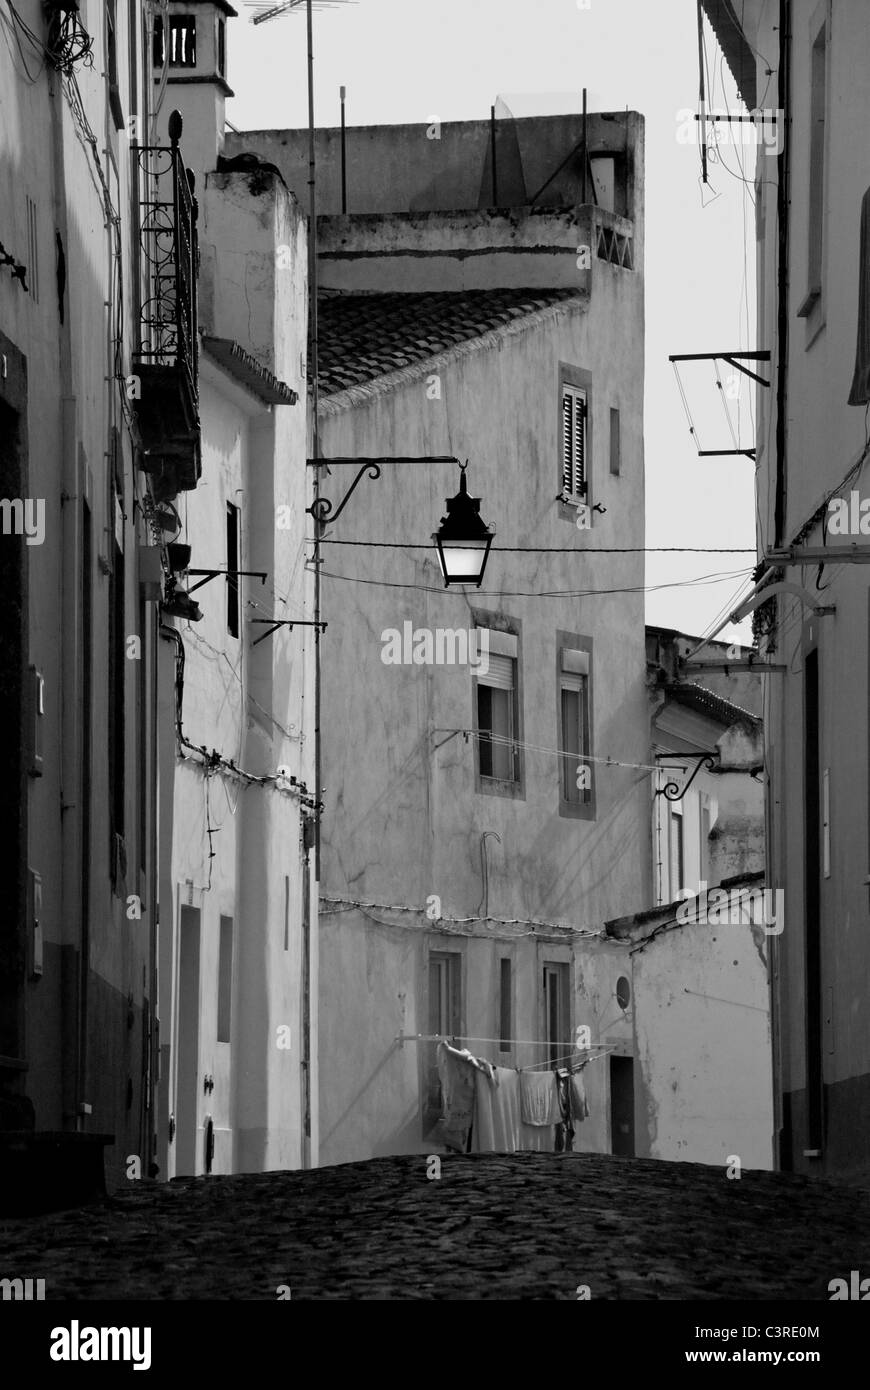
(782, 226)
(73, 791)
(315, 454)
(772, 858)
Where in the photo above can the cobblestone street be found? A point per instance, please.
(526, 1226)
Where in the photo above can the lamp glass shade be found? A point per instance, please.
(462, 562)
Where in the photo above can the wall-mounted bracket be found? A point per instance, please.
(321, 507)
(227, 574)
(274, 623)
(671, 791)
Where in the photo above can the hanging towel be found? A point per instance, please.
(539, 1096)
(496, 1112)
(579, 1104)
(456, 1075)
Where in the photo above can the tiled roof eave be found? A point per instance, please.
(335, 402)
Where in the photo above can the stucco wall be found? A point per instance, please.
(700, 1027)
(824, 437)
(254, 704)
(404, 819)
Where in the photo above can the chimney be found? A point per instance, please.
(194, 51)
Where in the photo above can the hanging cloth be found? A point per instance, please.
(496, 1112)
(539, 1098)
(456, 1074)
(579, 1103)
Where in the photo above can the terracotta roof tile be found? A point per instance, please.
(364, 336)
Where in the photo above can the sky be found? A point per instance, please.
(414, 60)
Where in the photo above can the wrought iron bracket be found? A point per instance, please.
(321, 507)
(274, 623)
(228, 574)
(672, 791)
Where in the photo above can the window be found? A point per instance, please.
(112, 64)
(232, 567)
(221, 46)
(445, 983)
(615, 443)
(706, 825)
(816, 210)
(182, 42)
(677, 851)
(505, 1003)
(117, 673)
(225, 980)
(573, 442)
(574, 726)
(557, 1021)
(32, 250)
(444, 999)
(498, 710)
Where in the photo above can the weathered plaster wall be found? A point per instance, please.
(825, 436)
(404, 818)
(413, 168)
(700, 1026)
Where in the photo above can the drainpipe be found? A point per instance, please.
(773, 859)
(782, 220)
(73, 1027)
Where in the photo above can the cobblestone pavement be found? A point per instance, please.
(493, 1226)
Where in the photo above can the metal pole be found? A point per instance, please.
(492, 146)
(342, 92)
(315, 441)
(585, 148)
(702, 95)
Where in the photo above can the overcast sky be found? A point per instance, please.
(410, 60)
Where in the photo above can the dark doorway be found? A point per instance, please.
(622, 1106)
(187, 1080)
(812, 900)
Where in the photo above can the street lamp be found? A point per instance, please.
(463, 539)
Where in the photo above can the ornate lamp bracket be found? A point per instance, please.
(672, 791)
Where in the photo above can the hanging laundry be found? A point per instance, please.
(456, 1074)
(579, 1103)
(496, 1112)
(537, 1139)
(539, 1098)
(565, 1130)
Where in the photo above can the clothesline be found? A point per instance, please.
(600, 1049)
(515, 1042)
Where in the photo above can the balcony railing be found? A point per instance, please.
(166, 356)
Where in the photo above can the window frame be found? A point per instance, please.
(483, 783)
(233, 544)
(578, 379)
(556, 1047)
(574, 641)
(225, 974)
(813, 308)
(615, 442)
(676, 818)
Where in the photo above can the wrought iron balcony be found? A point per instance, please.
(165, 368)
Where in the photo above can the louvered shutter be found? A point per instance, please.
(573, 441)
(567, 436)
